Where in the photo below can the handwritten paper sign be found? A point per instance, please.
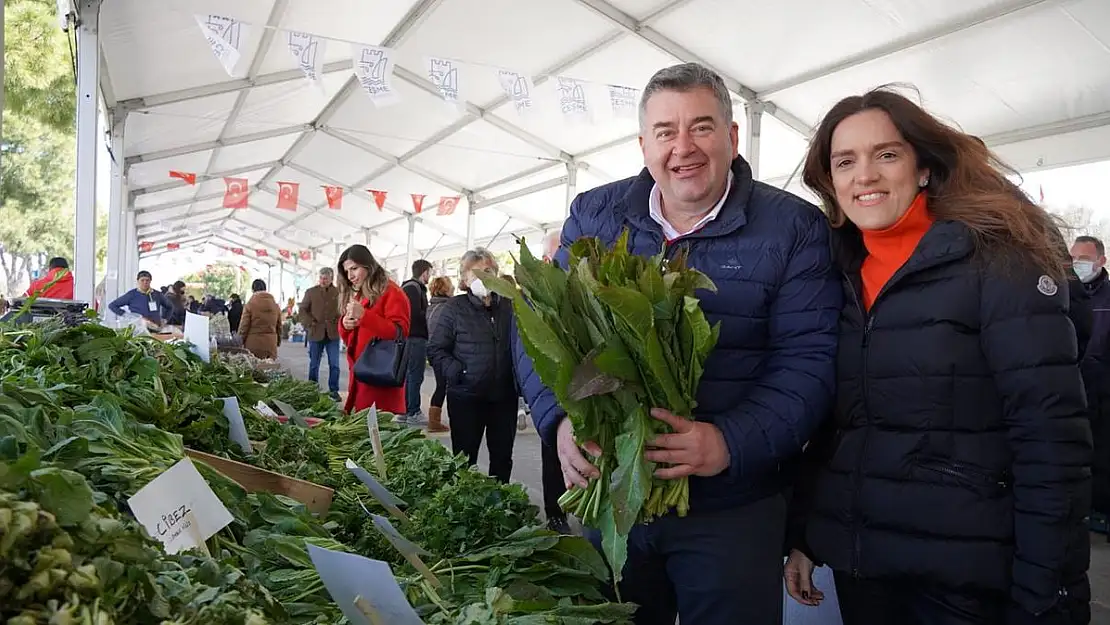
(225, 36)
(237, 428)
(374, 70)
(179, 508)
(376, 440)
(364, 589)
(388, 500)
(196, 333)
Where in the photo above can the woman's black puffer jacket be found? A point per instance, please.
(470, 347)
(960, 452)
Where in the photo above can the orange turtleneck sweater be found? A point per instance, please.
(890, 248)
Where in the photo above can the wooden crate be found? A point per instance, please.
(253, 479)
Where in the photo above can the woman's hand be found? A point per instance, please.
(355, 310)
(349, 323)
(798, 574)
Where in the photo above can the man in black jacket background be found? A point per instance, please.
(417, 290)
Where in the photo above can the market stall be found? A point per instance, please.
(139, 484)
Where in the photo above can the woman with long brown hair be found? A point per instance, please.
(442, 290)
(372, 307)
(952, 482)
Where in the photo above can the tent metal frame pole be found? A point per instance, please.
(470, 211)
(572, 187)
(88, 82)
(117, 225)
(752, 134)
(410, 245)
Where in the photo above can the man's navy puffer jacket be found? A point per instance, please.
(769, 382)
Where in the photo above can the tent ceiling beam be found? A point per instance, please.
(217, 144)
(470, 118)
(416, 14)
(177, 184)
(187, 243)
(277, 12)
(615, 143)
(167, 205)
(282, 242)
(519, 193)
(904, 44)
(476, 111)
(395, 161)
(527, 173)
(247, 243)
(1075, 124)
(150, 228)
(364, 195)
(669, 46)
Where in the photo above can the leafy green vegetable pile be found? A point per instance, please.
(616, 336)
(88, 417)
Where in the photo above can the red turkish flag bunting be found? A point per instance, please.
(286, 254)
(447, 205)
(379, 198)
(288, 192)
(236, 193)
(261, 253)
(173, 246)
(189, 178)
(306, 254)
(146, 246)
(335, 197)
(237, 250)
(418, 202)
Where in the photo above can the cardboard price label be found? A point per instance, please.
(294, 417)
(411, 551)
(180, 509)
(388, 500)
(237, 430)
(376, 440)
(196, 333)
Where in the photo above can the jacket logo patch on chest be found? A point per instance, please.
(1047, 286)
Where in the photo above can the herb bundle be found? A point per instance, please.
(614, 337)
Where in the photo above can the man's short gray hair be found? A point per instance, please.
(687, 77)
(475, 256)
(327, 271)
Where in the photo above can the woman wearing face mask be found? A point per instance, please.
(952, 483)
(470, 349)
(372, 307)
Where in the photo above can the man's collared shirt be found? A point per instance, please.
(655, 209)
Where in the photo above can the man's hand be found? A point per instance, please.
(576, 469)
(695, 448)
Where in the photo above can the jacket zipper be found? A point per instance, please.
(856, 511)
(964, 472)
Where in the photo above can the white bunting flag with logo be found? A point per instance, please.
(374, 69)
(225, 35)
(444, 74)
(518, 88)
(572, 99)
(623, 101)
(309, 52)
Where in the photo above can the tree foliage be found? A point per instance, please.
(38, 159)
(221, 280)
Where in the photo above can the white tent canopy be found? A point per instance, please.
(1032, 77)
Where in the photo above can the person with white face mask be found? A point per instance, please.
(470, 348)
(1089, 263)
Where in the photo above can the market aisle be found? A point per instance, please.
(526, 452)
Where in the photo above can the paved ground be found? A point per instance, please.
(526, 470)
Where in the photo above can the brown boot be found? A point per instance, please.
(435, 420)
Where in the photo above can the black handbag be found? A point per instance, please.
(382, 363)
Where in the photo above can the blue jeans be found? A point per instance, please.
(315, 351)
(414, 376)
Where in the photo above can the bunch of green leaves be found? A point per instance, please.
(615, 336)
(300, 394)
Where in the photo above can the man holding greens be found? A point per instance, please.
(767, 384)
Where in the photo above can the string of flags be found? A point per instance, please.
(284, 254)
(373, 66)
(237, 195)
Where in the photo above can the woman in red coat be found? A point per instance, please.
(372, 308)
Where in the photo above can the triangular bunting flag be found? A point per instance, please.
(288, 193)
(335, 197)
(286, 254)
(173, 246)
(379, 198)
(261, 253)
(146, 246)
(237, 192)
(418, 202)
(237, 250)
(306, 254)
(309, 52)
(447, 205)
(189, 178)
(225, 35)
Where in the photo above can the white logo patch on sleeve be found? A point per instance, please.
(1047, 286)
